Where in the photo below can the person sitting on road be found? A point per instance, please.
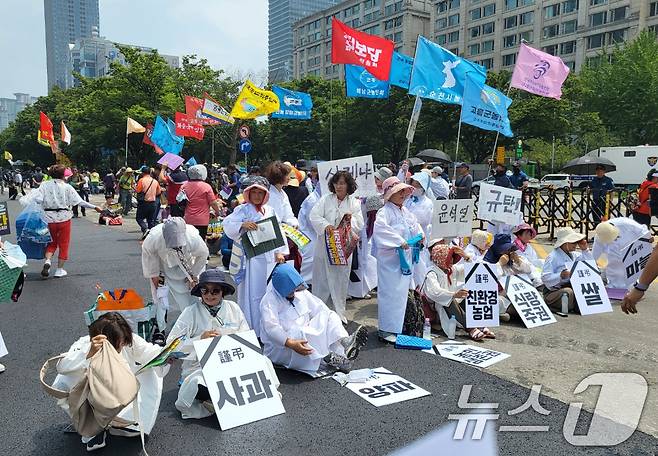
(479, 244)
(300, 332)
(213, 316)
(556, 273)
(525, 233)
(444, 286)
(136, 352)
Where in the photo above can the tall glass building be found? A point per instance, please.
(282, 14)
(66, 22)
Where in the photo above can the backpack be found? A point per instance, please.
(107, 388)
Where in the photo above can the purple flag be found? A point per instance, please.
(539, 73)
(172, 161)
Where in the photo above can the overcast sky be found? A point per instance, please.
(231, 34)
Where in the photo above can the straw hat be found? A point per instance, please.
(392, 185)
(565, 235)
(606, 232)
(296, 176)
(129, 170)
(481, 239)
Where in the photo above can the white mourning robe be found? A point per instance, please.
(393, 226)
(629, 232)
(367, 264)
(280, 203)
(441, 292)
(530, 255)
(308, 318)
(72, 369)
(330, 281)
(423, 208)
(306, 227)
(473, 253)
(156, 258)
(193, 322)
(258, 268)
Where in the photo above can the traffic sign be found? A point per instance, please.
(244, 132)
(519, 150)
(244, 146)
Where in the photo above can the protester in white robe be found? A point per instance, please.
(330, 281)
(394, 227)
(177, 251)
(136, 352)
(278, 175)
(306, 227)
(212, 316)
(257, 269)
(420, 204)
(479, 243)
(363, 278)
(524, 233)
(300, 332)
(613, 239)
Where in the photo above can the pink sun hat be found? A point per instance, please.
(392, 185)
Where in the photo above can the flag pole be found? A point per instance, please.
(331, 121)
(459, 132)
(493, 154)
(126, 162)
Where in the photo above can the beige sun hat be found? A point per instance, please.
(606, 232)
(481, 239)
(566, 234)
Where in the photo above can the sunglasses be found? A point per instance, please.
(212, 291)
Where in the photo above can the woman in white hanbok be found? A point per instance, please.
(478, 245)
(135, 352)
(331, 281)
(394, 226)
(213, 316)
(278, 174)
(420, 204)
(363, 277)
(300, 332)
(525, 233)
(258, 268)
(176, 250)
(306, 227)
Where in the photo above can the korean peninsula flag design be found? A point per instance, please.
(485, 107)
(439, 74)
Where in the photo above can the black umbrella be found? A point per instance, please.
(587, 165)
(415, 161)
(434, 155)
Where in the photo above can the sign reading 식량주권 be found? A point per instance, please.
(361, 168)
(528, 302)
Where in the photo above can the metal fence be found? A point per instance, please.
(548, 209)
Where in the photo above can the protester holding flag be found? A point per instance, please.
(56, 197)
(397, 237)
(331, 280)
(251, 286)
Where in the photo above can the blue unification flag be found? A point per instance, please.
(191, 162)
(439, 74)
(361, 84)
(401, 66)
(293, 105)
(485, 107)
(163, 137)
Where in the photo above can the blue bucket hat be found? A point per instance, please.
(502, 244)
(213, 276)
(286, 279)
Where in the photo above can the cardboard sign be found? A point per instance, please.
(384, 388)
(635, 259)
(528, 302)
(482, 300)
(468, 354)
(500, 204)
(588, 287)
(5, 225)
(361, 169)
(452, 218)
(239, 378)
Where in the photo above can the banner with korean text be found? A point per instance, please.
(361, 168)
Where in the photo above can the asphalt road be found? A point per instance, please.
(321, 417)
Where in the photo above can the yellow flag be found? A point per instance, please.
(8, 156)
(132, 126)
(253, 102)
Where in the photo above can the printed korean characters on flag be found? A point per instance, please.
(188, 126)
(254, 102)
(194, 108)
(292, 104)
(357, 48)
(485, 107)
(439, 74)
(361, 84)
(215, 111)
(401, 67)
(539, 73)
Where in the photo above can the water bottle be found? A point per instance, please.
(427, 330)
(452, 328)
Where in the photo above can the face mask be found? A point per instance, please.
(418, 192)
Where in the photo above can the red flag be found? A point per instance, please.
(189, 126)
(46, 128)
(371, 52)
(147, 139)
(194, 108)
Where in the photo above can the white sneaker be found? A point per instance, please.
(2, 368)
(59, 272)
